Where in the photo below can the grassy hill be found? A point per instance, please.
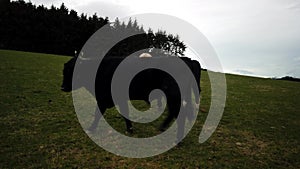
(39, 128)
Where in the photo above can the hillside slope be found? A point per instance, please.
(39, 128)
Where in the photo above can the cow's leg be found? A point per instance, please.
(125, 112)
(180, 127)
(166, 122)
(173, 110)
(100, 110)
(159, 103)
(188, 112)
(189, 108)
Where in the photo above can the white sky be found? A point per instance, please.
(252, 37)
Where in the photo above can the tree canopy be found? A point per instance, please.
(27, 27)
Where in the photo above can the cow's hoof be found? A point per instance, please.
(129, 131)
(178, 144)
(191, 117)
(162, 128)
(89, 131)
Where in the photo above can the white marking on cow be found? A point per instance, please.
(145, 55)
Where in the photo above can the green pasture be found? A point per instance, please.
(260, 127)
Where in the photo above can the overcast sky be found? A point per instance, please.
(252, 37)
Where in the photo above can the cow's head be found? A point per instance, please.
(68, 75)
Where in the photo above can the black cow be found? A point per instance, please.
(140, 87)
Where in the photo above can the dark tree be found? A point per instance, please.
(56, 30)
(27, 27)
(169, 44)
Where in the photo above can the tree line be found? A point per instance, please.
(289, 78)
(27, 27)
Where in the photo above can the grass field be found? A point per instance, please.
(260, 127)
